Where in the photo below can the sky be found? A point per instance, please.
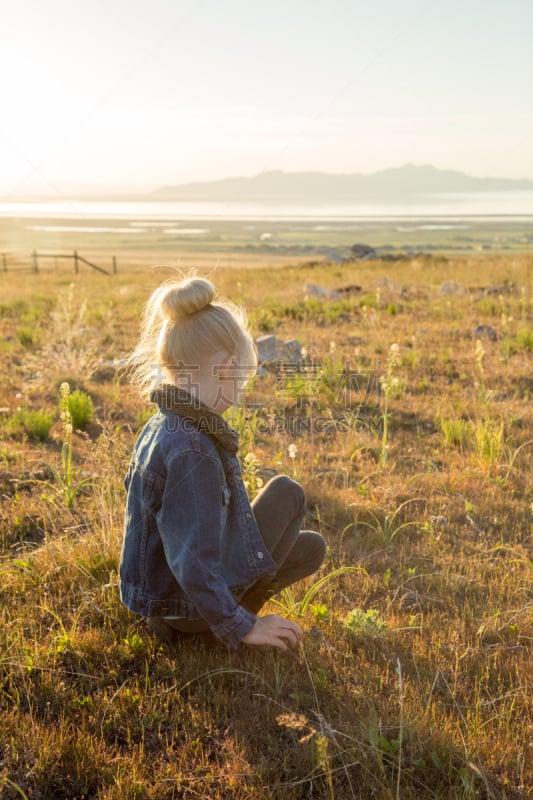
(142, 94)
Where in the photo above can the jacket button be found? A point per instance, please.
(138, 603)
(260, 554)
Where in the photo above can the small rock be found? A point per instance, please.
(351, 289)
(388, 285)
(486, 331)
(438, 521)
(452, 288)
(412, 600)
(321, 291)
(362, 252)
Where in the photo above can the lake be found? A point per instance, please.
(505, 205)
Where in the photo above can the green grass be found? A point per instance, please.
(80, 407)
(36, 423)
(413, 679)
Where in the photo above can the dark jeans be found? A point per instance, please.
(279, 510)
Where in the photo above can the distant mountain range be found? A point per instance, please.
(318, 186)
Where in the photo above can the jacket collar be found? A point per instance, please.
(177, 401)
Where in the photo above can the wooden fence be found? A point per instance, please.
(10, 263)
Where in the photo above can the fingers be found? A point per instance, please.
(275, 631)
(284, 632)
(291, 632)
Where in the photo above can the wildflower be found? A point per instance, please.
(252, 480)
(506, 320)
(292, 451)
(64, 389)
(394, 355)
(251, 461)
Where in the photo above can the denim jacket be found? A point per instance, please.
(191, 545)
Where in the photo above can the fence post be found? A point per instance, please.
(35, 261)
(4, 262)
(114, 265)
(76, 267)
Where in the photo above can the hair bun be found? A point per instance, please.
(186, 298)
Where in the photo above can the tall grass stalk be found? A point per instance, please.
(299, 608)
(387, 527)
(489, 440)
(390, 386)
(64, 480)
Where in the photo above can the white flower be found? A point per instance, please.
(64, 389)
(394, 355)
(292, 451)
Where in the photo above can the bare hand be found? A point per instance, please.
(274, 631)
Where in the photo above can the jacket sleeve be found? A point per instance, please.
(190, 525)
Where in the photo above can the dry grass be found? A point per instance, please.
(424, 692)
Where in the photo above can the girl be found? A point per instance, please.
(196, 556)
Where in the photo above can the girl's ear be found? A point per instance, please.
(226, 364)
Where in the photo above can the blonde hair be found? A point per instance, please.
(184, 327)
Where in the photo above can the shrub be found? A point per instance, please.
(264, 321)
(489, 440)
(455, 430)
(36, 423)
(80, 407)
(361, 623)
(524, 339)
(26, 336)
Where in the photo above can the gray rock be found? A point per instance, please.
(353, 288)
(484, 331)
(362, 252)
(452, 288)
(321, 291)
(271, 350)
(412, 600)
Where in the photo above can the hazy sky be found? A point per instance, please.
(165, 91)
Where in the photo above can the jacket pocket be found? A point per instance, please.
(152, 491)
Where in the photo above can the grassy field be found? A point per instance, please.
(409, 423)
(134, 241)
